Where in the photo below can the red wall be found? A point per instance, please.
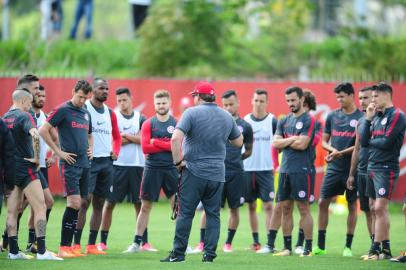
(59, 90)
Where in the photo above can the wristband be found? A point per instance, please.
(177, 164)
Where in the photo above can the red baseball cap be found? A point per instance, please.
(203, 88)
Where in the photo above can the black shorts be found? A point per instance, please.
(75, 180)
(259, 184)
(362, 178)
(233, 190)
(25, 174)
(294, 186)
(312, 184)
(154, 179)
(335, 183)
(127, 181)
(101, 176)
(381, 184)
(43, 177)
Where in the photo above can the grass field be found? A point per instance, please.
(161, 231)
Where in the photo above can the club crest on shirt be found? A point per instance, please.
(302, 194)
(381, 191)
(384, 121)
(353, 123)
(170, 129)
(271, 195)
(240, 128)
(299, 125)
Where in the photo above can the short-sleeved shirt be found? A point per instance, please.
(296, 161)
(163, 131)
(233, 159)
(363, 152)
(341, 128)
(20, 123)
(74, 126)
(207, 129)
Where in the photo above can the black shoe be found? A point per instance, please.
(173, 258)
(31, 248)
(385, 254)
(207, 258)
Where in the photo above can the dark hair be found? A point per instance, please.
(123, 90)
(383, 87)
(208, 98)
(41, 88)
(23, 89)
(366, 88)
(294, 89)
(84, 86)
(261, 91)
(229, 93)
(26, 79)
(345, 87)
(310, 100)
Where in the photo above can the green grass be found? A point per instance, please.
(161, 231)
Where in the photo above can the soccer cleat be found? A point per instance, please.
(227, 248)
(372, 257)
(207, 259)
(76, 249)
(48, 256)
(173, 258)
(133, 248)
(299, 250)
(319, 251)
(306, 253)
(400, 259)
(198, 249)
(92, 249)
(66, 252)
(266, 249)
(31, 247)
(148, 247)
(347, 252)
(255, 246)
(189, 250)
(101, 246)
(385, 255)
(19, 256)
(285, 252)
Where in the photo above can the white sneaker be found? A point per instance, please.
(19, 256)
(266, 249)
(299, 250)
(189, 250)
(133, 248)
(49, 256)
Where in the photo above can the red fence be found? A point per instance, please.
(59, 90)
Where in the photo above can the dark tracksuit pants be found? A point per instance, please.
(193, 190)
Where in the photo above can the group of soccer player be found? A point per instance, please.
(108, 155)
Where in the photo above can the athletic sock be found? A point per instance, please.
(230, 236)
(321, 241)
(48, 213)
(348, 241)
(287, 241)
(77, 236)
(372, 239)
(5, 238)
(145, 236)
(271, 238)
(92, 237)
(202, 234)
(41, 245)
(68, 225)
(376, 247)
(255, 237)
(308, 245)
(138, 239)
(300, 238)
(386, 247)
(103, 237)
(13, 243)
(31, 236)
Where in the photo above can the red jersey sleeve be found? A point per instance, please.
(146, 145)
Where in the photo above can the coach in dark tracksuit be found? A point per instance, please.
(204, 131)
(7, 160)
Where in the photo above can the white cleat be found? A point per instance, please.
(19, 256)
(48, 256)
(133, 248)
(189, 250)
(299, 250)
(265, 250)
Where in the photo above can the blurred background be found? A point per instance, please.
(306, 40)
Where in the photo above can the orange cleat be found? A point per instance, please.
(92, 249)
(65, 252)
(77, 250)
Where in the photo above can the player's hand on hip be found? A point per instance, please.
(350, 182)
(51, 160)
(181, 166)
(113, 156)
(68, 157)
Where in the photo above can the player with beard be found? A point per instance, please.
(159, 171)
